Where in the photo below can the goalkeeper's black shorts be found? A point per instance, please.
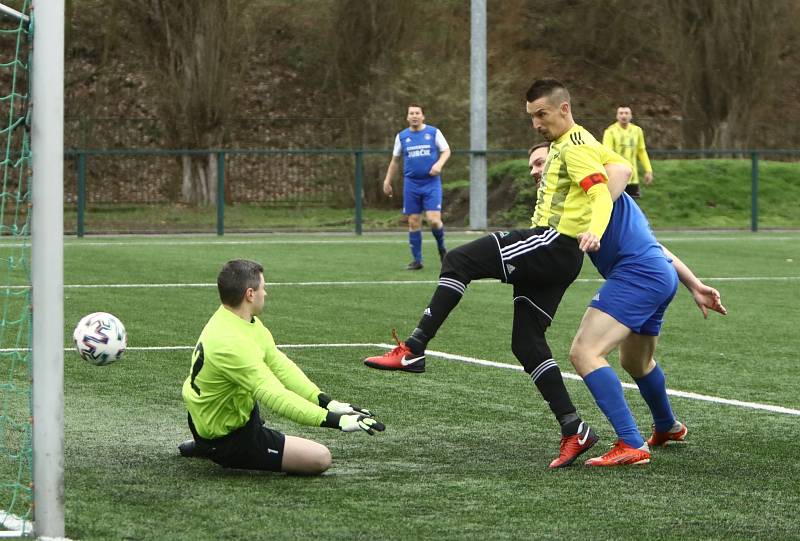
(251, 447)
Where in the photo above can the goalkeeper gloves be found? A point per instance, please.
(342, 408)
(353, 422)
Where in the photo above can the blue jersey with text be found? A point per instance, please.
(419, 153)
(627, 239)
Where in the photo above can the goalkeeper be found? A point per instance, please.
(235, 366)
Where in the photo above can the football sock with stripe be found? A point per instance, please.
(548, 380)
(653, 388)
(606, 388)
(438, 234)
(445, 298)
(415, 243)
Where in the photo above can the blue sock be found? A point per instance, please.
(653, 387)
(438, 234)
(415, 242)
(606, 388)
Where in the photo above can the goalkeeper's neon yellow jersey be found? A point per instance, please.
(629, 143)
(572, 179)
(236, 363)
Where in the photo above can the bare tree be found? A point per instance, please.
(196, 49)
(727, 54)
(393, 55)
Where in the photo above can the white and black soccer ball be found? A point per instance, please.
(100, 338)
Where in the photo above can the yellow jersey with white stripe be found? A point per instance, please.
(629, 143)
(574, 167)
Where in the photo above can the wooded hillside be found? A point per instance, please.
(338, 73)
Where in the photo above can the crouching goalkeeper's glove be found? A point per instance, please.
(342, 408)
(353, 423)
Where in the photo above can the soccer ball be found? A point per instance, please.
(100, 338)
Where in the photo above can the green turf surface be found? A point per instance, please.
(466, 447)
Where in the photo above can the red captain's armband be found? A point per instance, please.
(591, 180)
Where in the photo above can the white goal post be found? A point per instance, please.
(47, 266)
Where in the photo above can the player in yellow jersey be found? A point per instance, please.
(235, 366)
(627, 139)
(573, 207)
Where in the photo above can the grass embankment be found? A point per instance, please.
(713, 193)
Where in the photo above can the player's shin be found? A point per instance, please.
(445, 298)
(653, 387)
(606, 389)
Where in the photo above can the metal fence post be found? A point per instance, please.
(81, 193)
(359, 188)
(220, 193)
(754, 192)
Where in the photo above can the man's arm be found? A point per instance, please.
(444, 154)
(394, 165)
(705, 297)
(601, 203)
(645, 159)
(618, 176)
(585, 167)
(436, 169)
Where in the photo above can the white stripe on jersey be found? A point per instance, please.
(528, 245)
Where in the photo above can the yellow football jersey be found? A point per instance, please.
(574, 165)
(629, 143)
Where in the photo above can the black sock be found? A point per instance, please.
(445, 298)
(551, 386)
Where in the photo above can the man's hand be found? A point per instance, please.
(707, 298)
(354, 423)
(588, 242)
(648, 178)
(343, 408)
(387, 188)
(436, 170)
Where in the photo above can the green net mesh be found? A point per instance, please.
(15, 302)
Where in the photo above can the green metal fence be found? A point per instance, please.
(344, 178)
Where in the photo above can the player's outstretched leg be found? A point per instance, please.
(471, 261)
(400, 358)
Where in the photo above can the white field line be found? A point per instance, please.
(494, 364)
(388, 282)
(746, 237)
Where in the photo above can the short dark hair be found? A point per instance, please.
(538, 146)
(421, 108)
(547, 87)
(235, 278)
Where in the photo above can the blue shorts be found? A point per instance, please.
(638, 295)
(420, 195)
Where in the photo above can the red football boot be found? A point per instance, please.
(574, 446)
(622, 454)
(400, 358)
(675, 434)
